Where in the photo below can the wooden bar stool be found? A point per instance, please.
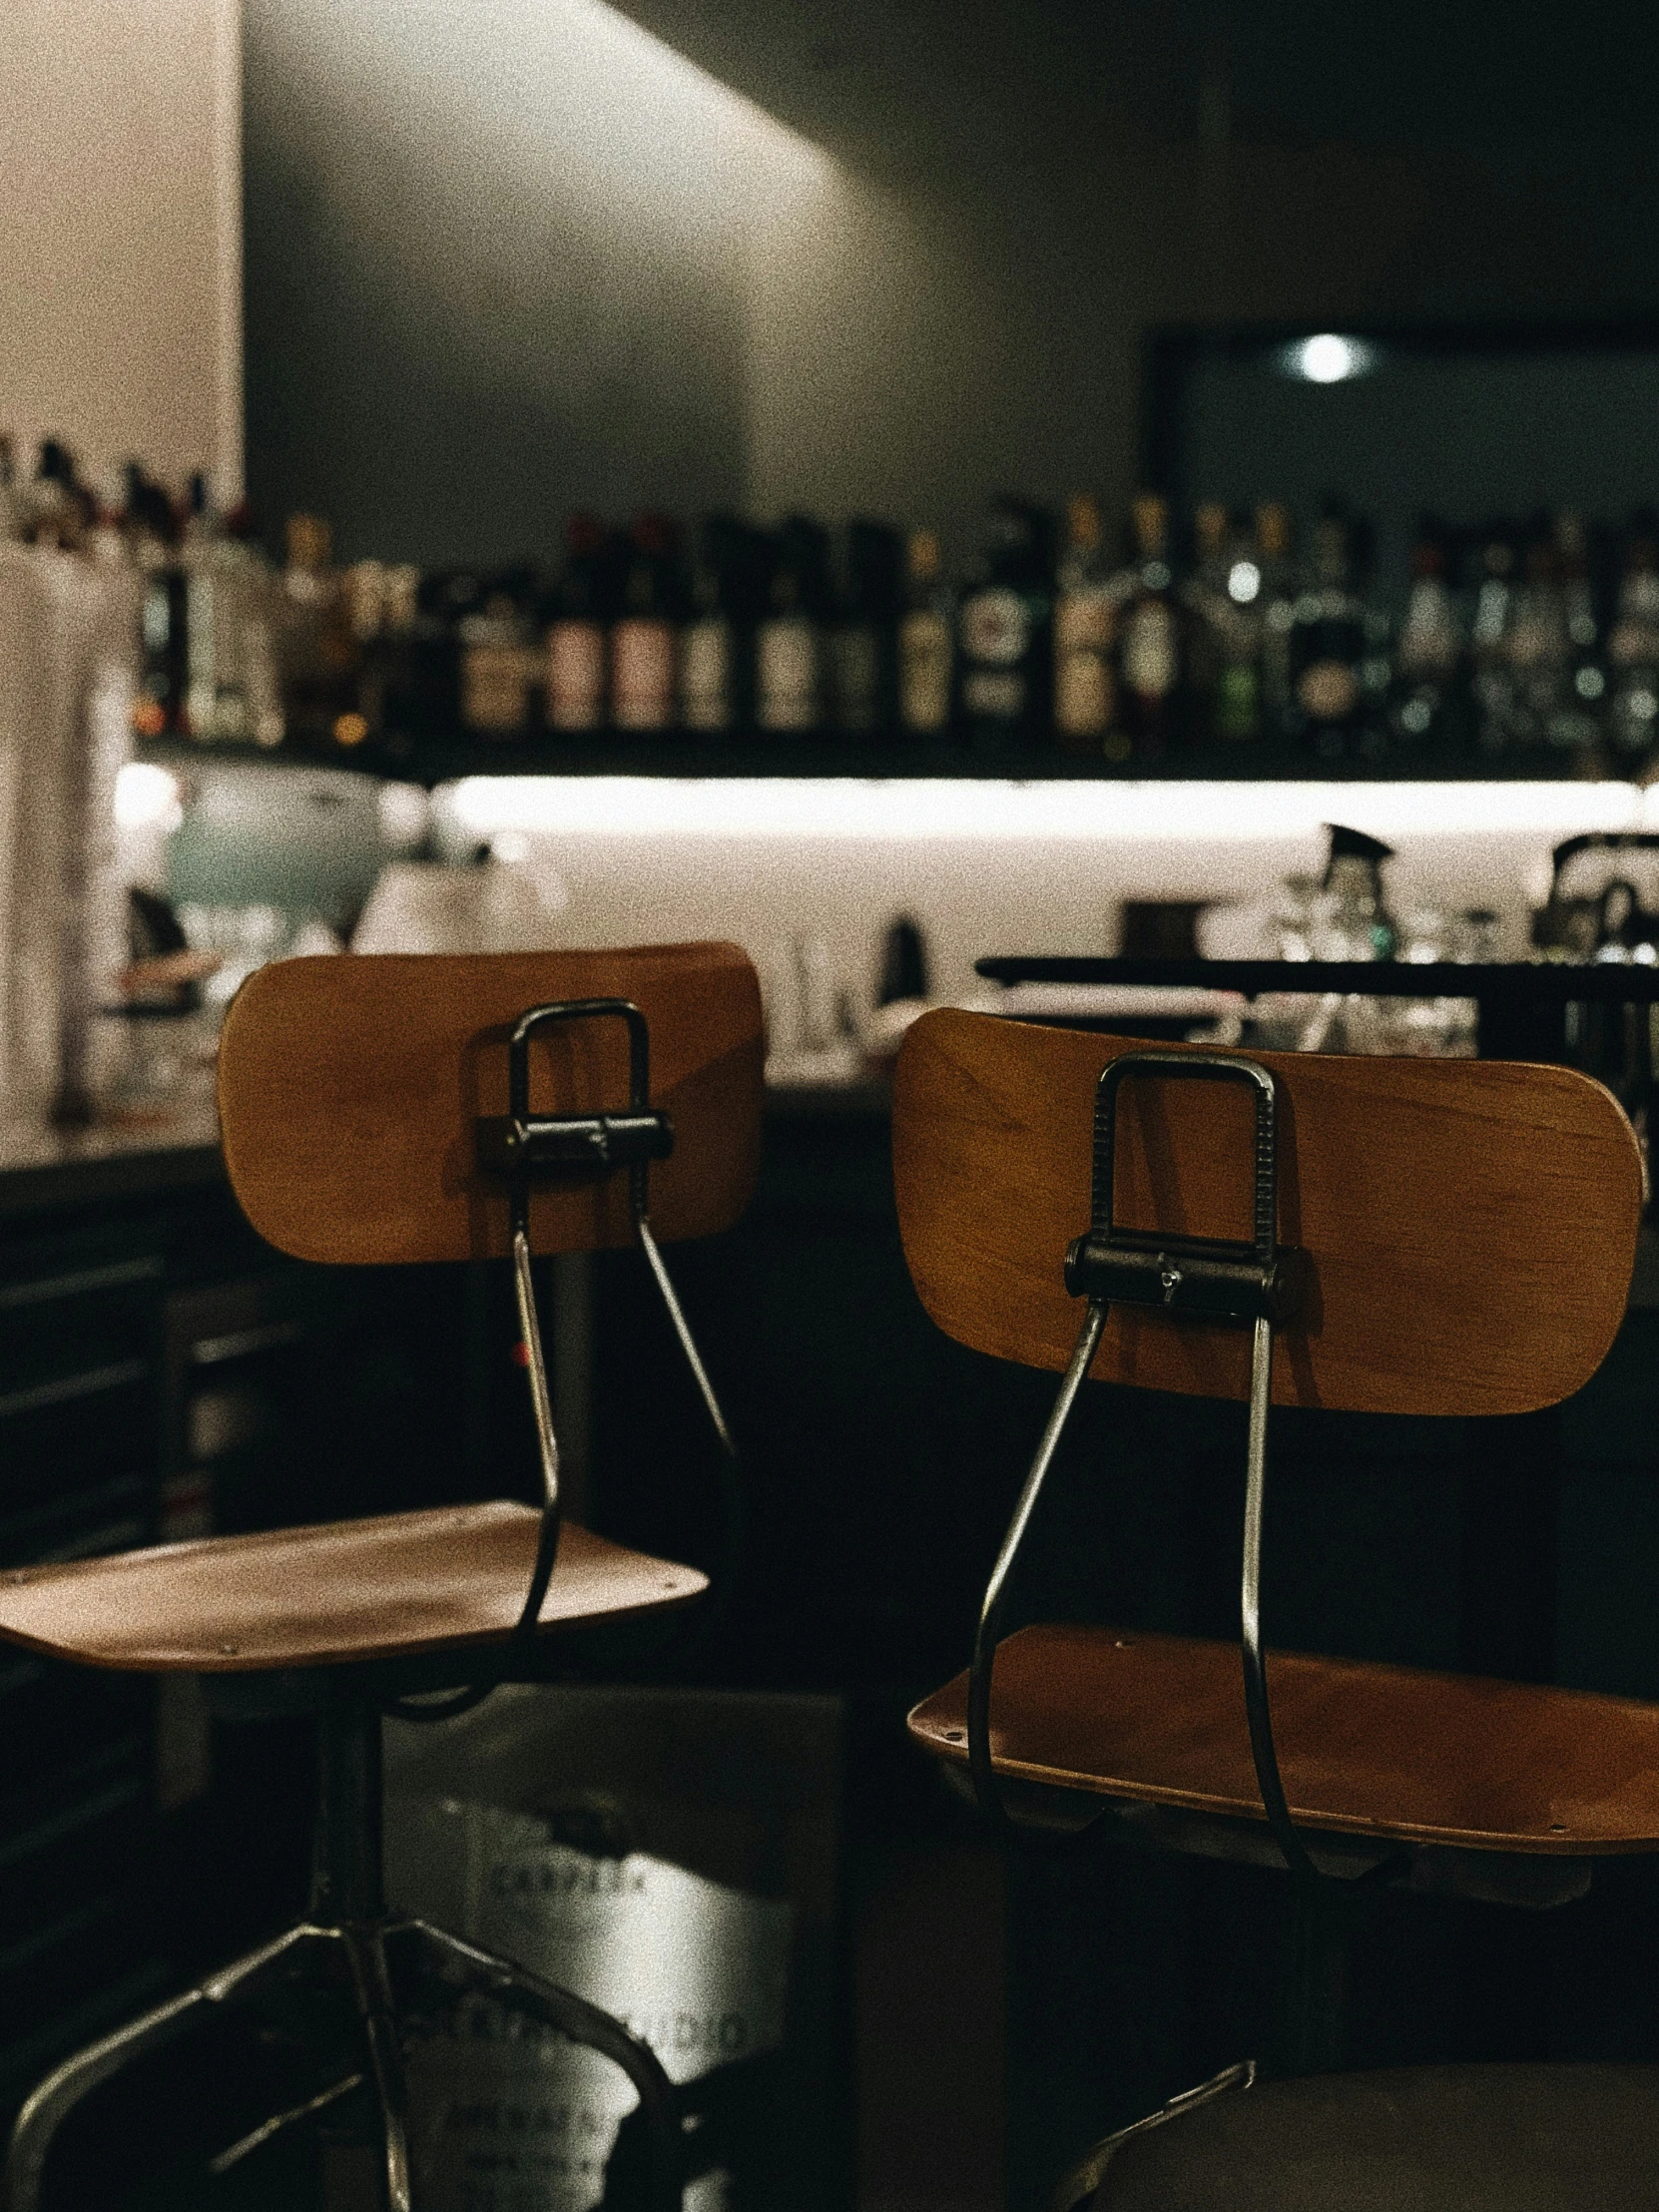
(388, 1111)
(1383, 1235)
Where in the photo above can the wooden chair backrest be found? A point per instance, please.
(1470, 1225)
(349, 1091)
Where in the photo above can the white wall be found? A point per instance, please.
(989, 868)
(121, 230)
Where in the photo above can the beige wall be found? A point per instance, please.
(121, 231)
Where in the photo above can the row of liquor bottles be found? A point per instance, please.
(1511, 643)
(1524, 645)
(1517, 645)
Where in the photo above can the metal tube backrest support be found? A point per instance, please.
(588, 1145)
(1214, 1280)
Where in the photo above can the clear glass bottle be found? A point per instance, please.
(1577, 725)
(1492, 686)
(1633, 650)
(1280, 589)
(1223, 597)
(1429, 653)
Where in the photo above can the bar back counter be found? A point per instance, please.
(165, 1372)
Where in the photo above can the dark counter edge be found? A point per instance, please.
(106, 1167)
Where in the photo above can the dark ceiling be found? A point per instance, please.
(1000, 81)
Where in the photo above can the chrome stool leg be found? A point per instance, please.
(51, 2104)
(366, 1949)
(462, 1967)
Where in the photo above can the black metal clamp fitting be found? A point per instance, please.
(519, 1144)
(1195, 1278)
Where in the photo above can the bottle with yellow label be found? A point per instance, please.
(927, 640)
(1150, 654)
(1085, 622)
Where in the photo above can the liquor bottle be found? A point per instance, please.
(1577, 726)
(645, 637)
(709, 639)
(575, 614)
(232, 695)
(1085, 619)
(1223, 599)
(1003, 631)
(1634, 648)
(319, 653)
(1540, 653)
(1339, 672)
(927, 640)
(863, 640)
(1149, 656)
(1492, 685)
(1429, 653)
(500, 667)
(789, 640)
(1275, 556)
(159, 703)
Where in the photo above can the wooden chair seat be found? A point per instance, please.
(344, 1592)
(1526, 2138)
(1365, 1750)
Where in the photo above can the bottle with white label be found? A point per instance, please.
(645, 658)
(789, 640)
(1085, 619)
(1003, 633)
(708, 641)
(574, 683)
(1150, 645)
(927, 640)
(1338, 666)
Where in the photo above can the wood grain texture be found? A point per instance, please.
(1363, 1750)
(389, 1587)
(349, 1090)
(1470, 1225)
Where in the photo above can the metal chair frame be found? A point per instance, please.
(348, 1921)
